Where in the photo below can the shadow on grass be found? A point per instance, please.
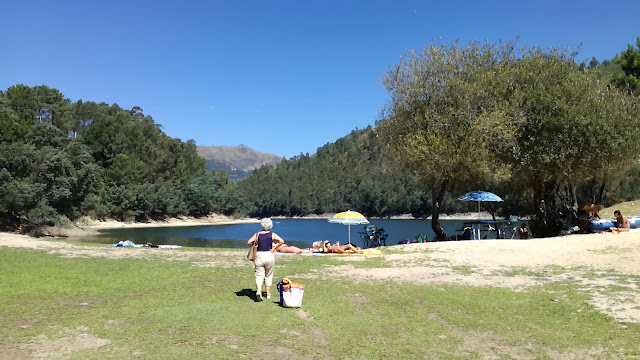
(250, 293)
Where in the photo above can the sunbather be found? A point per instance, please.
(320, 246)
(289, 249)
(344, 249)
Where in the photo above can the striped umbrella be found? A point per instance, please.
(349, 218)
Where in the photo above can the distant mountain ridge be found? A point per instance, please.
(238, 161)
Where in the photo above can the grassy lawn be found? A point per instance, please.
(101, 308)
(629, 208)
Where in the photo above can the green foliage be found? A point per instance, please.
(489, 114)
(443, 123)
(572, 128)
(41, 181)
(352, 173)
(59, 158)
(629, 61)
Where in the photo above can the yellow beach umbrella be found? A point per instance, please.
(349, 218)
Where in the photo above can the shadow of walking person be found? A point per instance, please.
(251, 294)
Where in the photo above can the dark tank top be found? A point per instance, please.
(265, 242)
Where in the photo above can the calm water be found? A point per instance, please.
(298, 232)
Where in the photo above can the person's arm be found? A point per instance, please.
(253, 239)
(275, 248)
(277, 238)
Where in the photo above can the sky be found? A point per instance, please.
(281, 77)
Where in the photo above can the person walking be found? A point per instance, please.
(265, 260)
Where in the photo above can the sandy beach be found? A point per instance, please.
(596, 262)
(89, 224)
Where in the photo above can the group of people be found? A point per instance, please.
(270, 243)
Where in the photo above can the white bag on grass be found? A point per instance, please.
(290, 293)
(292, 298)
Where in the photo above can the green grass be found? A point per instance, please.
(464, 270)
(629, 208)
(156, 309)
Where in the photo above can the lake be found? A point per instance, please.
(298, 232)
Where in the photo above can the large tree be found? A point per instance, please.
(442, 122)
(457, 114)
(571, 128)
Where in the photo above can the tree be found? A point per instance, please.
(629, 61)
(571, 128)
(49, 175)
(441, 123)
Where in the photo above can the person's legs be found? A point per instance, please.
(260, 275)
(623, 229)
(269, 265)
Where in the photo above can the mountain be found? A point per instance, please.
(239, 161)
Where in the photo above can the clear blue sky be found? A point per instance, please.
(282, 77)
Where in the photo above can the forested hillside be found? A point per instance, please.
(352, 173)
(60, 160)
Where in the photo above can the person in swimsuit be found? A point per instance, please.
(621, 223)
(266, 260)
(289, 249)
(344, 249)
(321, 246)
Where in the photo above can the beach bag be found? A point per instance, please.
(253, 253)
(290, 293)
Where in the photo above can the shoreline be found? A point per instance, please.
(457, 216)
(86, 226)
(113, 224)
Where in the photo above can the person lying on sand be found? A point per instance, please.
(344, 249)
(621, 223)
(289, 249)
(321, 246)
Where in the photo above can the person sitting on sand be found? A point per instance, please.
(621, 223)
(524, 233)
(289, 249)
(344, 249)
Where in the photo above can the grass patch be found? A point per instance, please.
(629, 208)
(464, 270)
(156, 309)
(524, 272)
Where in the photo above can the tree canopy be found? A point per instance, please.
(460, 113)
(61, 160)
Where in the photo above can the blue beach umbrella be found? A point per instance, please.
(349, 218)
(480, 196)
